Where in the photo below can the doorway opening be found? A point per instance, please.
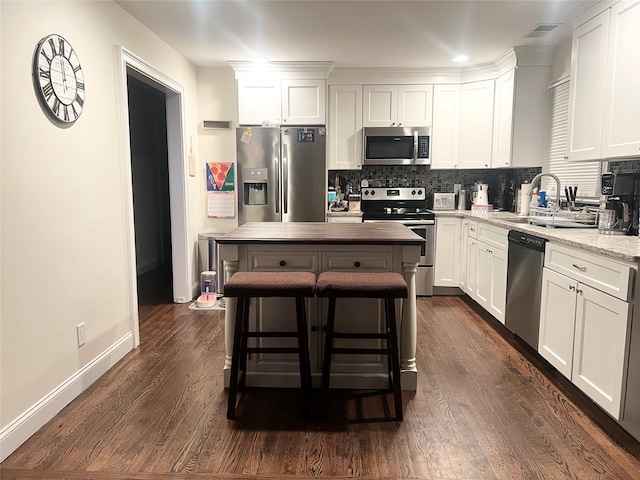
(150, 184)
(175, 248)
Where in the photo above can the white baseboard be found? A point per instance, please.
(21, 428)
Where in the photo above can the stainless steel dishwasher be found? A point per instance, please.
(524, 285)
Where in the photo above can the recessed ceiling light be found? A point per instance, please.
(259, 59)
(460, 58)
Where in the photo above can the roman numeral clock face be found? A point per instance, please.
(58, 79)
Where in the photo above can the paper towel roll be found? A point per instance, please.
(525, 199)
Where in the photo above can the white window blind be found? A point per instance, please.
(585, 174)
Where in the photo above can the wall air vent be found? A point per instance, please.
(216, 124)
(542, 29)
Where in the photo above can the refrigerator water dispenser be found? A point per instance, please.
(255, 186)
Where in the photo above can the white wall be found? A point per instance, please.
(217, 100)
(64, 244)
(561, 66)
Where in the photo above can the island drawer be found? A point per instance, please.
(261, 261)
(357, 261)
(600, 272)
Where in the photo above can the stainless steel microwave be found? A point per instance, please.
(397, 145)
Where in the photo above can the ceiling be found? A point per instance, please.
(359, 33)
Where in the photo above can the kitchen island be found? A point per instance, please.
(318, 247)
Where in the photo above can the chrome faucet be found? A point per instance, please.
(537, 179)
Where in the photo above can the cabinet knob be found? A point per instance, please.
(314, 328)
(282, 263)
(486, 165)
(571, 287)
(356, 264)
(566, 157)
(578, 291)
(393, 124)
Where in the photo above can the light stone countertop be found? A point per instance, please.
(621, 247)
(348, 213)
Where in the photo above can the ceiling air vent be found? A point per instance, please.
(542, 29)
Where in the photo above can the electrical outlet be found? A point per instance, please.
(82, 338)
(457, 187)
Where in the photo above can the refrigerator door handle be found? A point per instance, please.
(285, 178)
(276, 168)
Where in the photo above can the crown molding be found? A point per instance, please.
(275, 70)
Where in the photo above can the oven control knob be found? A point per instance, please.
(366, 192)
(373, 192)
(413, 192)
(419, 192)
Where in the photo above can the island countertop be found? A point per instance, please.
(307, 233)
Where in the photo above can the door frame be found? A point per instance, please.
(182, 291)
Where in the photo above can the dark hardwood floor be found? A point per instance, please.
(485, 408)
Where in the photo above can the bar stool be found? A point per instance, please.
(248, 285)
(387, 286)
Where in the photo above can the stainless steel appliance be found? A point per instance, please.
(397, 145)
(405, 205)
(281, 174)
(524, 285)
(620, 216)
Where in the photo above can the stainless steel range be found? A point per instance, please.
(406, 205)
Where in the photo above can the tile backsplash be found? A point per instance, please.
(435, 180)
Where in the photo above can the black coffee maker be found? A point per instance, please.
(620, 216)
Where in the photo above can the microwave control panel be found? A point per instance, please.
(423, 147)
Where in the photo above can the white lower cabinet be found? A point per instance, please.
(356, 314)
(584, 331)
(279, 314)
(490, 269)
(491, 279)
(352, 314)
(446, 265)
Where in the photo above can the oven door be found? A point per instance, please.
(426, 231)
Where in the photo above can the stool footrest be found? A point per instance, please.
(363, 351)
(271, 334)
(362, 336)
(271, 350)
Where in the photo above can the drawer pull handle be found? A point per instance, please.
(282, 263)
(356, 264)
(582, 269)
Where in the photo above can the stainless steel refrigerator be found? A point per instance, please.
(281, 174)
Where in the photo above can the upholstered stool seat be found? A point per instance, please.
(247, 285)
(386, 286)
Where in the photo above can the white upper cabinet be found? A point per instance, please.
(293, 102)
(380, 108)
(621, 126)
(446, 126)
(259, 101)
(415, 105)
(397, 105)
(476, 124)
(519, 117)
(345, 127)
(586, 95)
(303, 102)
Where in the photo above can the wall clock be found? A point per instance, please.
(58, 79)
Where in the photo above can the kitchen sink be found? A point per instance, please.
(516, 220)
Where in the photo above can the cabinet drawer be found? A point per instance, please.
(358, 261)
(289, 261)
(491, 235)
(473, 229)
(600, 272)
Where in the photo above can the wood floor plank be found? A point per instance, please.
(485, 408)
